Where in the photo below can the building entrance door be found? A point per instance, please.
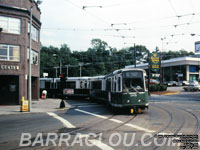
(193, 77)
(9, 90)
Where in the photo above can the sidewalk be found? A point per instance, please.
(41, 106)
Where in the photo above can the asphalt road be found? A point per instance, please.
(88, 122)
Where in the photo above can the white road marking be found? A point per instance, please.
(91, 106)
(65, 122)
(101, 145)
(83, 104)
(69, 125)
(83, 135)
(100, 116)
(139, 128)
(115, 120)
(118, 121)
(188, 109)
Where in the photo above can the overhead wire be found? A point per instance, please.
(99, 18)
(114, 28)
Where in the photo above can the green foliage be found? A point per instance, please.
(158, 87)
(99, 59)
(163, 87)
(175, 54)
(154, 88)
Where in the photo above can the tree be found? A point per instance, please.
(175, 54)
(141, 53)
(98, 45)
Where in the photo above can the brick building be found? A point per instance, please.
(14, 47)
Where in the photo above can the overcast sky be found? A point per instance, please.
(143, 22)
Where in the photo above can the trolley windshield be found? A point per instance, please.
(133, 81)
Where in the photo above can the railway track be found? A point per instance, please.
(196, 128)
(154, 134)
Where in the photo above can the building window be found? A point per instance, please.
(34, 57)
(9, 52)
(34, 32)
(10, 25)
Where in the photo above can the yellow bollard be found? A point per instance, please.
(24, 105)
(132, 111)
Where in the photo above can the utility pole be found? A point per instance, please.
(80, 70)
(60, 66)
(29, 63)
(161, 70)
(149, 73)
(67, 70)
(135, 54)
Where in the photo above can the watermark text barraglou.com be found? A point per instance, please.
(114, 139)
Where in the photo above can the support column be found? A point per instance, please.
(187, 73)
(171, 74)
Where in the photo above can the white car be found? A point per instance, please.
(173, 83)
(192, 87)
(194, 82)
(185, 82)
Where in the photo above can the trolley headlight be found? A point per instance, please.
(141, 100)
(128, 101)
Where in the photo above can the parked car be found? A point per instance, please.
(167, 83)
(192, 87)
(184, 82)
(154, 81)
(173, 83)
(193, 82)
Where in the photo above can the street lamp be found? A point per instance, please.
(30, 56)
(30, 59)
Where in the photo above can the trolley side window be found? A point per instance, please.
(71, 85)
(113, 84)
(96, 85)
(119, 84)
(42, 84)
(47, 85)
(108, 84)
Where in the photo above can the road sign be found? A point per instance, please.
(179, 74)
(197, 47)
(155, 75)
(155, 62)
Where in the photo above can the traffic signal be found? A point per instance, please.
(63, 81)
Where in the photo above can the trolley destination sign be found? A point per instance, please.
(155, 62)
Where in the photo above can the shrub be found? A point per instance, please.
(154, 87)
(163, 87)
(158, 87)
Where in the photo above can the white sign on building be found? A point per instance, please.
(197, 47)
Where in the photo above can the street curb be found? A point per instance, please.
(39, 112)
(171, 93)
